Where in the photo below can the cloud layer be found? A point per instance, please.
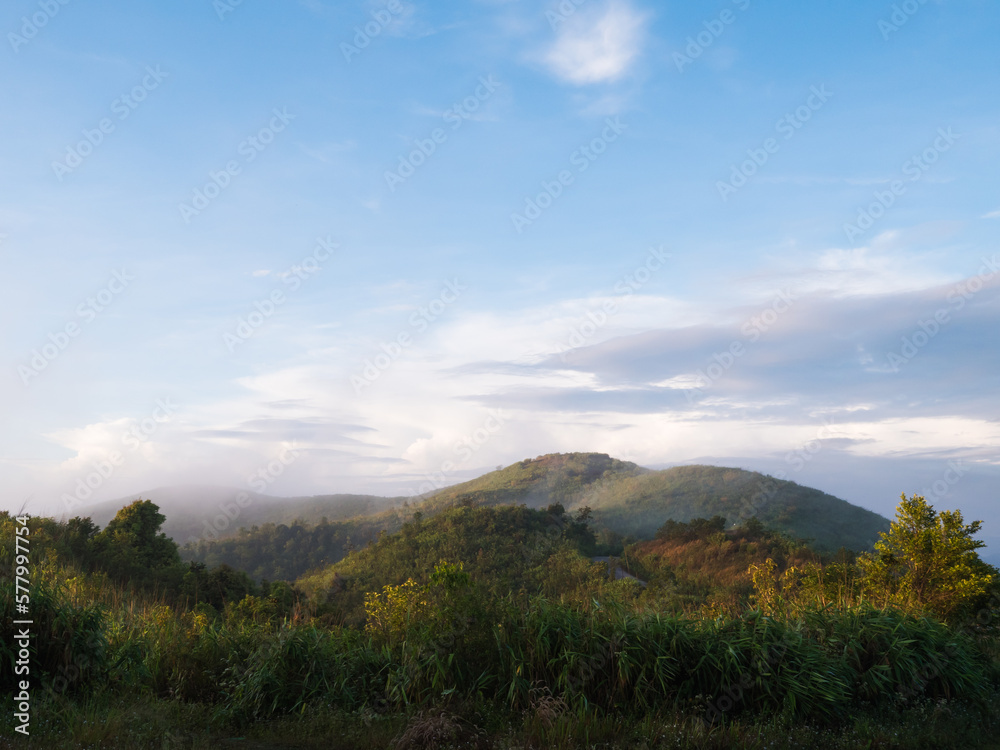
(597, 45)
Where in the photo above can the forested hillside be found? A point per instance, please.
(284, 552)
(634, 502)
(627, 503)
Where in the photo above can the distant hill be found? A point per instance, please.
(633, 501)
(555, 478)
(285, 537)
(637, 506)
(188, 508)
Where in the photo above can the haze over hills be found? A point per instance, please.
(626, 499)
(628, 503)
(197, 510)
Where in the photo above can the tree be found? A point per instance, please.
(131, 547)
(928, 560)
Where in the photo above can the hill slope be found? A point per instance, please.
(633, 501)
(627, 501)
(638, 505)
(506, 548)
(554, 478)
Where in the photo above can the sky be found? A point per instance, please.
(307, 247)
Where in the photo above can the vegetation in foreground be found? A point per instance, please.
(491, 627)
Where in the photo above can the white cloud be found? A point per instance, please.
(992, 214)
(599, 46)
(617, 393)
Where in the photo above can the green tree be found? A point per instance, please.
(132, 548)
(928, 560)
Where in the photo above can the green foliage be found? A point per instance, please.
(558, 478)
(477, 602)
(216, 586)
(286, 552)
(696, 528)
(928, 560)
(621, 502)
(696, 568)
(632, 501)
(69, 650)
(500, 547)
(639, 505)
(132, 548)
(888, 652)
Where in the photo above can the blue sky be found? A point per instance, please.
(400, 243)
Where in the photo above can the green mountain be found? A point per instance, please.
(629, 500)
(538, 482)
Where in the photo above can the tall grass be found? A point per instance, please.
(562, 665)
(69, 648)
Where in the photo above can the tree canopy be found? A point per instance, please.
(928, 559)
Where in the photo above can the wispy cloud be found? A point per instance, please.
(598, 46)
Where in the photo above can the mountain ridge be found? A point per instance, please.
(626, 503)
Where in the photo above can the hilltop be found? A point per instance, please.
(284, 539)
(631, 501)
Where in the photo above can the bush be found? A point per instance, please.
(69, 647)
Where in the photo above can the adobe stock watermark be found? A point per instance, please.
(224, 7)
(259, 481)
(419, 322)
(752, 330)
(901, 14)
(796, 460)
(915, 168)
(787, 127)
(363, 35)
(558, 15)
(464, 448)
(87, 311)
(265, 308)
(454, 116)
(134, 438)
(581, 158)
(122, 106)
(940, 488)
(958, 297)
(249, 148)
(714, 29)
(31, 25)
(628, 285)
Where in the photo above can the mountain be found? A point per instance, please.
(285, 537)
(632, 501)
(637, 506)
(554, 478)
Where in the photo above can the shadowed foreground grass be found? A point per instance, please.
(112, 722)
